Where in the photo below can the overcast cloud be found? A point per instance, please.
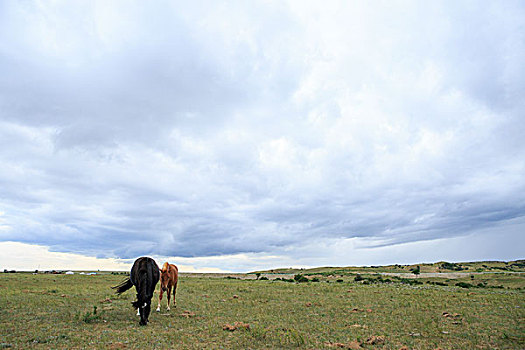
(206, 129)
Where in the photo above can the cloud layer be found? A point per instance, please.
(212, 129)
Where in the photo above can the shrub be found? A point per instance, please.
(410, 281)
(416, 270)
(315, 279)
(300, 278)
(497, 287)
(379, 279)
(284, 279)
(452, 266)
(263, 278)
(437, 283)
(464, 285)
(519, 264)
(358, 278)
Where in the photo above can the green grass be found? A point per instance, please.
(58, 311)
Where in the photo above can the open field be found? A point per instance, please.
(438, 267)
(57, 311)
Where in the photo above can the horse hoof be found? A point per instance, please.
(168, 309)
(158, 309)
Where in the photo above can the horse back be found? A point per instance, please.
(145, 272)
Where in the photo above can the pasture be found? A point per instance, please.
(80, 311)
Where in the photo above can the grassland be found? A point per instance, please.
(438, 267)
(58, 311)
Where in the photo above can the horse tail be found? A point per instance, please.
(123, 286)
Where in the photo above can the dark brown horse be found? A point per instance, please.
(169, 276)
(144, 276)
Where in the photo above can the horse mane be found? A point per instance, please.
(165, 267)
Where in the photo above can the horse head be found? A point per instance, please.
(164, 276)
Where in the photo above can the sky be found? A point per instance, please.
(237, 136)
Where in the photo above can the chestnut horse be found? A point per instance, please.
(169, 276)
(144, 276)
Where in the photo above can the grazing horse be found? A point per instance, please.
(169, 276)
(144, 276)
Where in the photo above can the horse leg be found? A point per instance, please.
(137, 303)
(160, 299)
(174, 291)
(145, 314)
(169, 295)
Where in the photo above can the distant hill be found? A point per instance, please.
(441, 266)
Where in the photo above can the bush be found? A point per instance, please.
(358, 278)
(452, 266)
(284, 279)
(263, 278)
(497, 287)
(300, 278)
(339, 280)
(410, 281)
(437, 283)
(416, 270)
(464, 285)
(315, 279)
